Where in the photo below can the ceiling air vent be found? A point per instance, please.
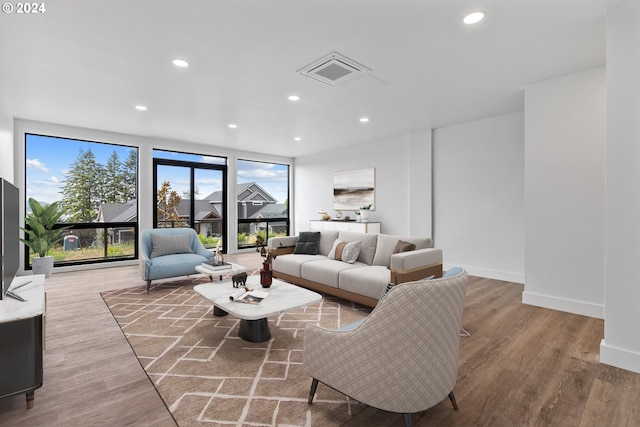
(333, 69)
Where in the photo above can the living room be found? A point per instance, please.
(541, 193)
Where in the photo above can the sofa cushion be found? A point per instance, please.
(386, 245)
(369, 281)
(345, 251)
(367, 244)
(307, 243)
(327, 271)
(292, 264)
(162, 244)
(173, 265)
(326, 242)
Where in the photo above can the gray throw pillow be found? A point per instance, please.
(308, 242)
(162, 244)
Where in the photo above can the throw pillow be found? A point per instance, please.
(403, 246)
(386, 290)
(345, 251)
(162, 244)
(307, 243)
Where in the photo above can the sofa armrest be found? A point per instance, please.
(415, 265)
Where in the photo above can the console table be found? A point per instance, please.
(360, 227)
(22, 338)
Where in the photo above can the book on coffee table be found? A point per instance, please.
(217, 266)
(248, 296)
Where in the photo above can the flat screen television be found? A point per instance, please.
(9, 233)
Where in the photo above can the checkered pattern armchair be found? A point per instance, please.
(403, 357)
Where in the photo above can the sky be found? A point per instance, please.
(50, 158)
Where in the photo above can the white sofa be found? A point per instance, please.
(363, 280)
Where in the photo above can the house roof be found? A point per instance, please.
(246, 192)
(277, 210)
(118, 212)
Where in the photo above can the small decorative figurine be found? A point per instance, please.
(239, 279)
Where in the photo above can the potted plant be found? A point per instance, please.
(364, 213)
(40, 235)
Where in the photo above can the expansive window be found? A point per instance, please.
(263, 201)
(191, 192)
(95, 185)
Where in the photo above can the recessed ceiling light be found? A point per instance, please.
(294, 98)
(180, 63)
(297, 138)
(141, 108)
(233, 125)
(473, 18)
(364, 119)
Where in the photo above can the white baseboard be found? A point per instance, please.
(619, 357)
(507, 276)
(563, 304)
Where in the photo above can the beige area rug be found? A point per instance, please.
(206, 375)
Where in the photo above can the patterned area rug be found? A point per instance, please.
(206, 375)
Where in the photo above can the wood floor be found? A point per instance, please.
(522, 365)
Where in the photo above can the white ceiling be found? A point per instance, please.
(88, 63)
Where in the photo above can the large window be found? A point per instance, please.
(95, 185)
(263, 201)
(191, 192)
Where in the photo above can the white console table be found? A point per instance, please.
(360, 227)
(22, 338)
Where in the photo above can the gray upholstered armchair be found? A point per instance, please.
(403, 357)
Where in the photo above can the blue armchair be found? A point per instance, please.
(171, 252)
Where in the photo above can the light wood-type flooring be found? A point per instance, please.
(523, 365)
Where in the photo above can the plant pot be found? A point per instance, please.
(42, 265)
(364, 215)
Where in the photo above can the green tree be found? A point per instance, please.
(129, 174)
(83, 188)
(113, 186)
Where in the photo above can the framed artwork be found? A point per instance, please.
(354, 189)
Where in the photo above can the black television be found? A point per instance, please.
(9, 234)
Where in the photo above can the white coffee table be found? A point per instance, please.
(235, 268)
(254, 326)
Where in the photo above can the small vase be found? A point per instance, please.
(266, 275)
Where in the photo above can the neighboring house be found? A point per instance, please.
(119, 212)
(253, 202)
(251, 199)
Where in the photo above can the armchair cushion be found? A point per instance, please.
(169, 244)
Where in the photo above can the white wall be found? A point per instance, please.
(565, 142)
(6, 143)
(478, 190)
(403, 182)
(621, 344)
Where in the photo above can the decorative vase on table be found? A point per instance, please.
(266, 275)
